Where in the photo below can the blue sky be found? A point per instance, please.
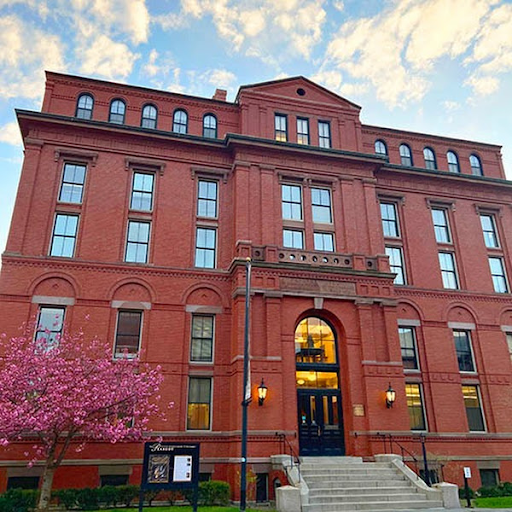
(433, 66)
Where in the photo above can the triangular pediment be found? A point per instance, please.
(297, 88)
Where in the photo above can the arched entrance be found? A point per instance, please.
(318, 391)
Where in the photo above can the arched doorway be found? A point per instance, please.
(318, 390)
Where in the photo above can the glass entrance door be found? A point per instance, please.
(320, 426)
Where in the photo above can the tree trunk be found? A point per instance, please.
(46, 488)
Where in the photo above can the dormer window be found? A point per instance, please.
(84, 106)
(117, 111)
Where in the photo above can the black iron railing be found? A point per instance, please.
(287, 449)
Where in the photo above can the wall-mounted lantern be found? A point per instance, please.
(390, 396)
(262, 392)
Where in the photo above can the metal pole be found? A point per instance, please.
(425, 461)
(245, 399)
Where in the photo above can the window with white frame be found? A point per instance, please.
(415, 406)
(207, 199)
(205, 247)
(149, 116)
(84, 106)
(441, 227)
(405, 155)
(462, 341)
(453, 161)
(499, 279)
(389, 219)
(210, 126)
(201, 344)
(396, 264)
(324, 134)
(293, 239)
(180, 121)
(408, 347)
(448, 270)
(128, 333)
(64, 235)
(321, 205)
(72, 187)
(489, 230)
(473, 407)
(302, 130)
(50, 323)
(430, 159)
(291, 202)
(142, 191)
(199, 403)
(280, 127)
(324, 242)
(117, 112)
(137, 242)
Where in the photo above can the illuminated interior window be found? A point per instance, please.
(314, 342)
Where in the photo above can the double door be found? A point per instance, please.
(320, 422)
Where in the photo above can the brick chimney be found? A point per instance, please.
(220, 94)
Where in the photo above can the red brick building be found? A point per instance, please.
(380, 257)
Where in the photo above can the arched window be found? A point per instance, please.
(149, 115)
(210, 126)
(315, 342)
(405, 155)
(180, 121)
(84, 106)
(117, 111)
(453, 161)
(380, 148)
(476, 165)
(430, 158)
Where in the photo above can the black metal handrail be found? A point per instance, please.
(295, 460)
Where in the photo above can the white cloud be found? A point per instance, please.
(105, 57)
(483, 85)
(31, 51)
(221, 78)
(338, 5)
(396, 51)
(10, 134)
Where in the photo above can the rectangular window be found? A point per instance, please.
(489, 477)
(64, 235)
(280, 126)
(321, 205)
(205, 247)
(324, 134)
(473, 408)
(302, 130)
(509, 344)
(324, 242)
(128, 333)
(49, 325)
(293, 239)
(499, 279)
(207, 199)
(415, 406)
(71, 190)
(199, 400)
(462, 340)
(396, 263)
(201, 345)
(408, 346)
(441, 228)
(291, 200)
(489, 231)
(142, 192)
(389, 220)
(137, 242)
(448, 272)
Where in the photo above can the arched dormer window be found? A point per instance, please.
(180, 121)
(405, 155)
(210, 126)
(430, 158)
(381, 148)
(476, 165)
(84, 106)
(453, 161)
(117, 111)
(149, 116)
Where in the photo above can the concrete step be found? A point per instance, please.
(363, 498)
(343, 480)
(342, 473)
(331, 460)
(366, 491)
(373, 506)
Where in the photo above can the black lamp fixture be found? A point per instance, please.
(390, 396)
(262, 392)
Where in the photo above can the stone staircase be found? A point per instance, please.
(349, 484)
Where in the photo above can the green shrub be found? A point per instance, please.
(108, 495)
(213, 492)
(462, 493)
(490, 492)
(67, 497)
(18, 500)
(87, 498)
(127, 493)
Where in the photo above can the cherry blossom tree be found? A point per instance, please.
(64, 391)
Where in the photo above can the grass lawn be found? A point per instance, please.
(503, 502)
(184, 508)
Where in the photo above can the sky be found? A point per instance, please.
(431, 66)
